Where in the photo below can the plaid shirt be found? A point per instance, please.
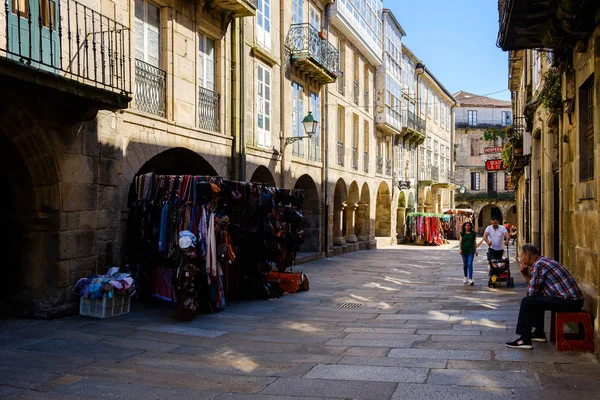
(550, 278)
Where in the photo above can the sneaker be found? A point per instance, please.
(471, 282)
(465, 280)
(520, 344)
(538, 337)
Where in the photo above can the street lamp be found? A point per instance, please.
(310, 126)
(462, 189)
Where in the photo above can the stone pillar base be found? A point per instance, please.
(339, 241)
(351, 239)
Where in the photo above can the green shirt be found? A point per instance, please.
(468, 242)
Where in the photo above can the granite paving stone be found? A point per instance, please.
(326, 388)
(26, 378)
(367, 351)
(369, 343)
(463, 377)
(443, 392)
(544, 368)
(140, 344)
(441, 354)
(393, 362)
(368, 373)
(92, 351)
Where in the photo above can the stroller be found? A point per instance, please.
(500, 272)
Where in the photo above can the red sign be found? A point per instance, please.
(494, 165)
(493, 149)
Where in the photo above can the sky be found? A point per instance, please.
(456, 40)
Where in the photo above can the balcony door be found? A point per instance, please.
(33, 33)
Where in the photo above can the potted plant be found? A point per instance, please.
(323, 35)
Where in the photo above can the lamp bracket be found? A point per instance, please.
(289, 140)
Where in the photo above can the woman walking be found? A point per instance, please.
(468, 249)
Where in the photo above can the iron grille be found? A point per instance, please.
(388, 167)
(366, 99)
(304, 40)
(208, 109)
(350, 305)
(150, 88)
(356, 92)
(355, 158)
(366, 162)
(69, 39)
(253, 3)
(415, 123)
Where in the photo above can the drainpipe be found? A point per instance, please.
(452, 149)
(281, 95)
(235, 157)
(324, 152)
(242, 44)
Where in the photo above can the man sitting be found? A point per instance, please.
(551, 287)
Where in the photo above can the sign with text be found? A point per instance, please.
(493, 149)
(494, 165)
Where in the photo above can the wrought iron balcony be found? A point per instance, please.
(414, 130)
(340, 153)
(354, 158)
(524, 24)
(366, 162)
(435, 173)
(235, 8)
(71, 43)
(483, 124)
(388, 167)
(379, 169)
(356, 92)
(150, 89)
(341, 85)
(208, 109)
(312, 53)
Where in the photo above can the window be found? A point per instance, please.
(315, 141)
(436, 111)
(263, 106)
(297, 16)
(429, 102)
(206, 62)
(315, 18)
(586, 130)
(422, 162)
(442, 115)
(472, 117)
(449, 119)
(263, 23)
(147, 32)
(402, 168)
(412, 163)
(297, 117)
(473, 147)
(505, 118)
(422, 94)
(474, 180)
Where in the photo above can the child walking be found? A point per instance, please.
(468, 249)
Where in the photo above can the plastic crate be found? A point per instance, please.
(105, 308)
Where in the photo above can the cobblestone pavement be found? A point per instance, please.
(419, 333)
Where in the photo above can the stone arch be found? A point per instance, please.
(464, 206)
(340, 195)
(350, 212)
(401, 215)
(311, 210)
(363, 216)
(263, 175)
(383, 211)
(30, 202)
(486, 214)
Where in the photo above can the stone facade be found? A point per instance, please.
(200, 88)
(557, 182)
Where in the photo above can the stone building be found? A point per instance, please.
(111, 90)
(553, 74)
(488, 193)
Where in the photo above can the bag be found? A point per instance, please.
(288, 281)
(303, 284)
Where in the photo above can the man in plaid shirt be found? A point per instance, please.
(551, 287)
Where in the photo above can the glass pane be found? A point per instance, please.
(267, 124)
(153, 16)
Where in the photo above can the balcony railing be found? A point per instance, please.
(379, 169)
(356, 93)
(388, 167)
(415, 123)
(366, 99)
(366, 162)
(340, 153)
(208, 109)
(308, 48)
(354, 158)
(150, 88)
(69, 39)
(483, 124)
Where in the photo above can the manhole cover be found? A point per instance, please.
(350, 305)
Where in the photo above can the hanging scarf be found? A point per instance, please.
(211, 255)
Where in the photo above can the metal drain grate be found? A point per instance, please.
(350, 305)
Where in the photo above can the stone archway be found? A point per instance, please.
(485, 215)
(178, 161)
(339, 202)
(383, 211)
(363, 216)
(401, 216)
(311, 211)
(350, 213)
(263, 175)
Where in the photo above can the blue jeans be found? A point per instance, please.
(468, 264)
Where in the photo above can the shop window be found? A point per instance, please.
(474, 180)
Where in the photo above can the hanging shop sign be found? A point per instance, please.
(494, 165)
(493, 149)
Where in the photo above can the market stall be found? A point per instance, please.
(237, 231)
(458, 217)
(426, 228)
